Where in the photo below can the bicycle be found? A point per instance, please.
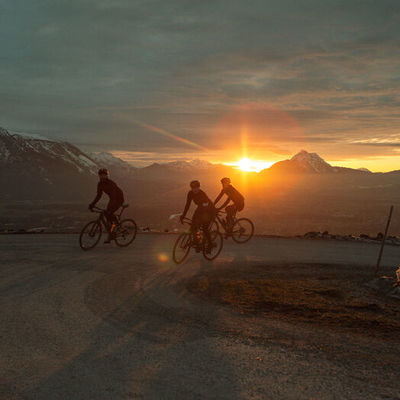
(124, 232)
(242, 229)
(186, 241)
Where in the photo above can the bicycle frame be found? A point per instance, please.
(188, 221)
(219, 219)
(102, 218)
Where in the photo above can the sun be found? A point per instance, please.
(247, 165)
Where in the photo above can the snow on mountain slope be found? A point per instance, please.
(34, 167)
(34, 136)
(305, 162)
(189, 165)
(108, 160)
(37, 150)
(311, 162)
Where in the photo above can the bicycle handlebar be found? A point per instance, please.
(220, 211)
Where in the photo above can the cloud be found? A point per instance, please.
(85, 71)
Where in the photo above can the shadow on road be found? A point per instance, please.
(144, 346)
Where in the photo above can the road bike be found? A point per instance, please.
(198, 241)
(124, 232)
(242, 229)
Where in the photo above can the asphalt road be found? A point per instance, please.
(119, 323)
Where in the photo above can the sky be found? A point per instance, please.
(214, 80)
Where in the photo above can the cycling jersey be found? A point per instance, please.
(233, 195)
(110, 188)
(200, 199)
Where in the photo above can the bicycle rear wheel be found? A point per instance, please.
(216, 246)
(181, 248)
(125, 232)
(90, 235)
(242, 230)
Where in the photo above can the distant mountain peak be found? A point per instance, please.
(305, 155)
(363, 169)
(108, 160)
(185, 165)
(31, 149)
(304, 162)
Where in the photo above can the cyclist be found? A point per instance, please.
(234, 196)
(203, 215)
(116, 196)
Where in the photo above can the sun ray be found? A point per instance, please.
(168, 134)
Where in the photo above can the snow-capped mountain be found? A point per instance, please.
(189, 165)
(109, 161)
(39, 152)
(33, 166)
(305, 162)
(178, 170)
(311, 162)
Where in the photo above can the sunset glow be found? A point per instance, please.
(248, 165)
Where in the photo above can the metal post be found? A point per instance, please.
(378, 264)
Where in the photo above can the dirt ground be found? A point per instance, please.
(330, 296)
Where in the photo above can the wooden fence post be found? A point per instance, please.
(378, 263)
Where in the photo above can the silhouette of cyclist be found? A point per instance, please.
(203, 215)
(116, 196)
(234, 196)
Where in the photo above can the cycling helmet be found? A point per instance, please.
(226, 180)
(103, 171)
(194, 184)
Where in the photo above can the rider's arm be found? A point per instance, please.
(187, 205)
(226, 203)
(98, 196)
(219, 197)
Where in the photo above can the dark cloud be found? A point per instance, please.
(85, 71)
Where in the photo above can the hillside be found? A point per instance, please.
(50, 183)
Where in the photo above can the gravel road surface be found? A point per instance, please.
(117, 323)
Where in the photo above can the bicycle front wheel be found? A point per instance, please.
(242, 230)
(214, 229)
(90, 235)
(125, 232)
(210, 252)
(181, 248)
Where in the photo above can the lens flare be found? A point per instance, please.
(162, 257)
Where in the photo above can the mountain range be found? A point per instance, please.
(292, 196)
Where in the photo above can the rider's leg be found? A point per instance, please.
(196, 223)
(207, 237)
(207, 218)
(111, 218)
(230, 215)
